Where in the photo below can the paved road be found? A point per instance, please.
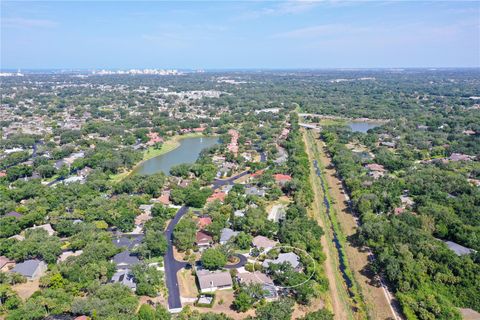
(243, 261)
(172, 266)
(217, 183)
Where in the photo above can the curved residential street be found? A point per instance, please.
(172, 266)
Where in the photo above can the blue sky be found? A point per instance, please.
(235, 34)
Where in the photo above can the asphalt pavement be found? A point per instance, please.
(172, 266)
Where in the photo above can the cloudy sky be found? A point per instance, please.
(239, 34)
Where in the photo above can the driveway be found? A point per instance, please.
(243, 260)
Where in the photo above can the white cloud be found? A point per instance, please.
(321, 30)
(28, 23)
(283, 8)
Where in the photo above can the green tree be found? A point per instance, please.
(184, 233)
(276, 310)
(213, 259)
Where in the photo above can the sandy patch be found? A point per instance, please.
(25, 290)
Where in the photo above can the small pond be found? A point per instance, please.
(188, 152)
(362, 126)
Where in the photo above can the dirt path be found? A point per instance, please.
(378, 304)
(339, 307)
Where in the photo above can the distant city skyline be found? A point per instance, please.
(124, 35)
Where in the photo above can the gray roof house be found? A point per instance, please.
(226, 235)
(14, 214)
(124, 277)
(31, 269)
(458, 249)
(212, 281)
(289, 257)
(254, 191)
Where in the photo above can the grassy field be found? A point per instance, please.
(338, 300)
(370, 297)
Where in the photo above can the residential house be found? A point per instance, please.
(455, 157)
(239, 213)
(226, 188)
(375, 167)
(282, 178)
(387, 144)
(282, 156)
(124, 277)
(14, 214)
(289, 257)
(203, 222)
(203, 239)
(375, 170)
(85, 172)
(146, 208)
(220, 196)
(141, 219)
(31, 269)
(277, 213)
(263, 243)
(47, 227)
(164, 197)
(226, 234)
(74, 179)
(67, 254)
(254, 191)
(17, 237)
(257, 277)
(257, 173)
(6, 264)
(213, 281)
(406, 201)
(458, 249)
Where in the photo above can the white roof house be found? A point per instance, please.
(277, 213)
(47, 227)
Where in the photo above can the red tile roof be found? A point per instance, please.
(282, 177)
(204, 221)
(217, 196)
(258, 173)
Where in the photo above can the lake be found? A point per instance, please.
(361, 126)
(187, 152)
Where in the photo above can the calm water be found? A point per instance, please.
(362, 126)
(187, 152)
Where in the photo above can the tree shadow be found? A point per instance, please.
(374, 279)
